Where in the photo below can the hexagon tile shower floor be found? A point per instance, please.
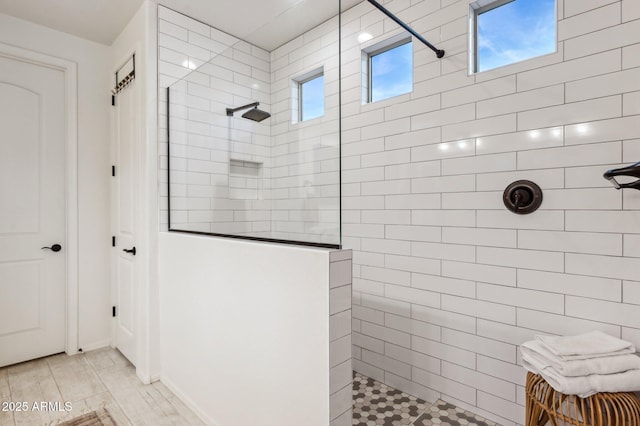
(376, 404)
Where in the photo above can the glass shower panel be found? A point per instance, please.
(241, 162)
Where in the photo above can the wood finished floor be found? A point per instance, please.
(90, 381)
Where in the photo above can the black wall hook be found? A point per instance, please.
(632, 170)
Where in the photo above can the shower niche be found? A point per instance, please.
(241, 163)
(245, 180)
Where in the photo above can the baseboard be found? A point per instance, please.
(187, 401)
(96, 345)
(143, 376)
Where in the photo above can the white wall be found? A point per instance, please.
(447, 282)
(93, 165)
(245, 330)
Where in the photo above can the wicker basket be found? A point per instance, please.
(545, 406)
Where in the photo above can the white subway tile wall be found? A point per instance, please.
(340, 336)
(220, 167)
(277, 179)
(447, 282)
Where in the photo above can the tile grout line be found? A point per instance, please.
(13, 417)
(38, 379)
(54, 378)
(113, 398)
(413, 423)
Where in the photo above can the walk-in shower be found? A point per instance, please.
(245, 160)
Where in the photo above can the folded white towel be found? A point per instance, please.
(584, 346)
(585, 386)
(538, 356)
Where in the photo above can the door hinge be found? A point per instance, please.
(113, 170)
(113, 100)
(113, 311)
(113, 241)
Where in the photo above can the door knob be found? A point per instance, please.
(54, 248)
(131, 250)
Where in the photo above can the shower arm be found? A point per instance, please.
(231, 111)
(439, 52)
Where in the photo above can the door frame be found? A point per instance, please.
(70, 71)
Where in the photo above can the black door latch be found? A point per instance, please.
(131, 250)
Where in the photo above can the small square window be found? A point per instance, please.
(389, 69)
(509, 31)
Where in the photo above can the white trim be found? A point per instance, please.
(151, 344)
(387, 44)
(96, 345)
(70, 70)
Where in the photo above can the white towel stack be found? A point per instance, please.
(585, 364)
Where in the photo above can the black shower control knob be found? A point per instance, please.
(522, 197)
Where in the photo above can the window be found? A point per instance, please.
(388, 69)
(309, 94)
(312, 98)
(509, 31)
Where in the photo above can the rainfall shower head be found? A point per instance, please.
(254, 113)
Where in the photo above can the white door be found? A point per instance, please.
(32, 211)
(125, 207)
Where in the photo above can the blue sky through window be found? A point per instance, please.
(392, 72)
(516, 31)
(312, 95)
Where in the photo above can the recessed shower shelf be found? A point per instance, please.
(243, 162)
(244, 180)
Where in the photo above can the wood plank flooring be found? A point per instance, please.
(90, 381)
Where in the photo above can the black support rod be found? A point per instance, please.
(230, 111)
(439, 52)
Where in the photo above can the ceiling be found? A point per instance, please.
(97, 20)
(269, 24)
(265, 23)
